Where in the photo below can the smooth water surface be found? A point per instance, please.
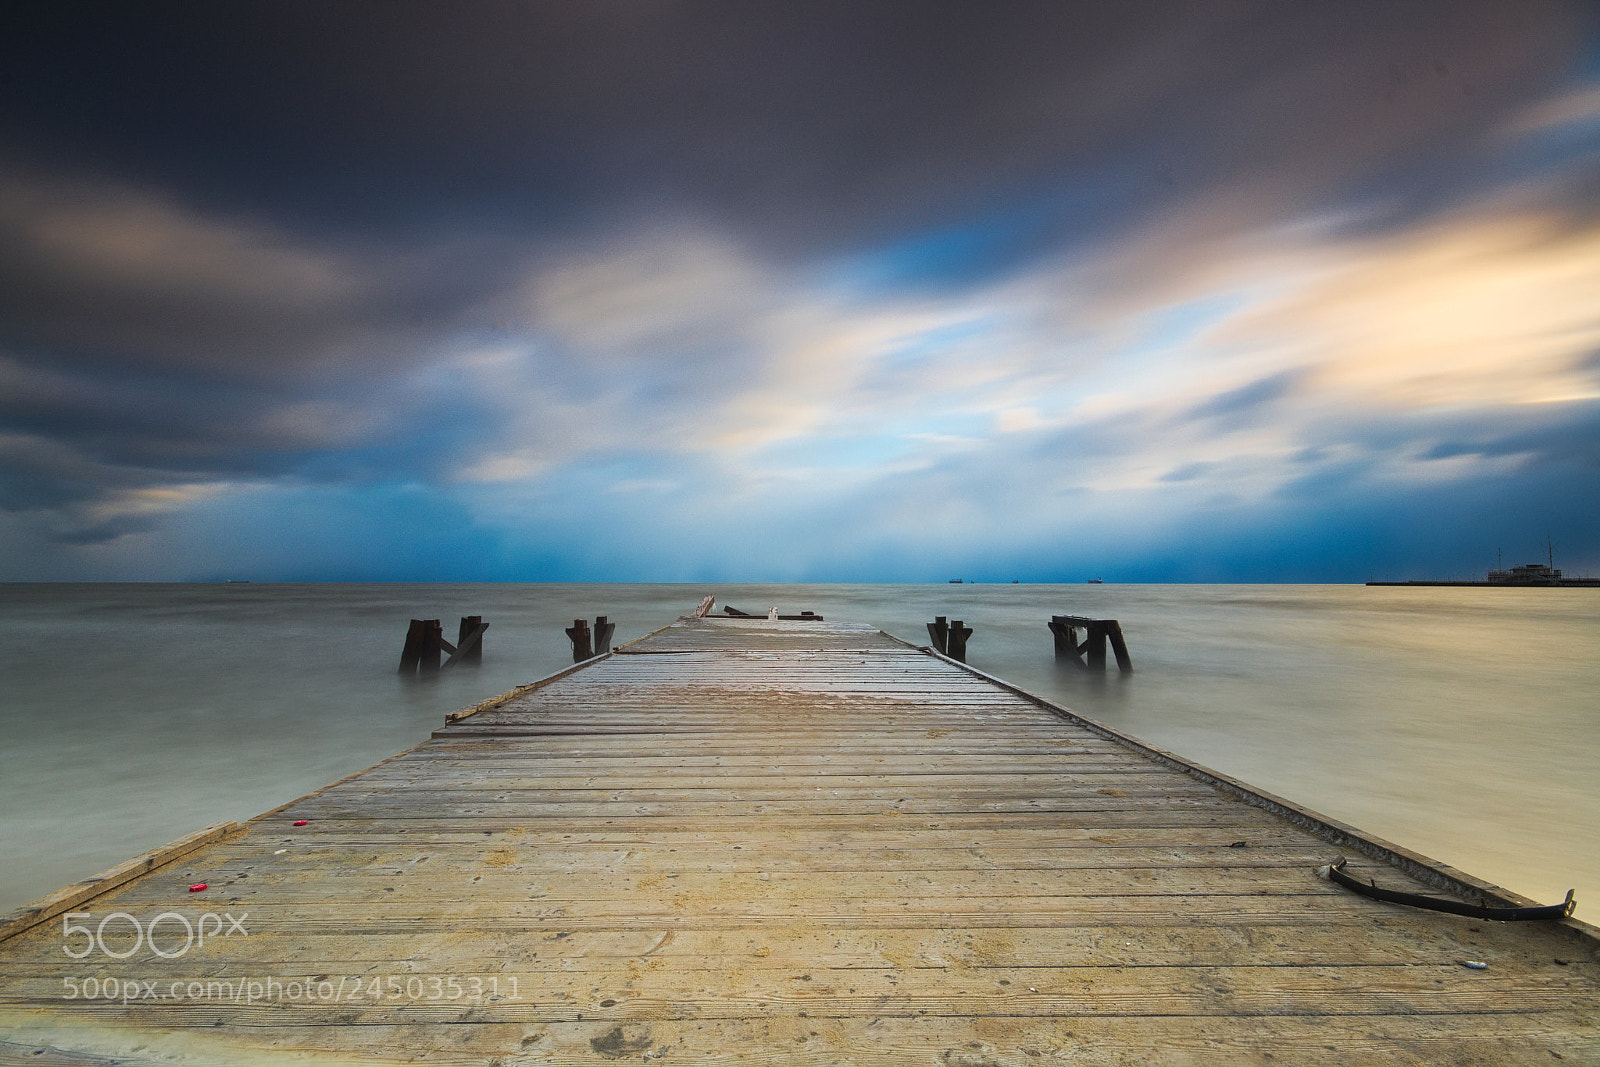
(1462, 723)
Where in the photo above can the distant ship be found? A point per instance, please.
(1096, 581)
(955, 581)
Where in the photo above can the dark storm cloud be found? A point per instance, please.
(804, 125)
(75, 436)
(109, 530)
(99, 274)
(124, 419)
(362, 164)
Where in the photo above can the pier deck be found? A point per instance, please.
(749, 841)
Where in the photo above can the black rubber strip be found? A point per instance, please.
(1417, 900)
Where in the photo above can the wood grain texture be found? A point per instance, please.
(744, 840)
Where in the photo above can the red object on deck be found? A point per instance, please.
(302, 822)
(197, 887)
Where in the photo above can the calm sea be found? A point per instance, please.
(1462, 723)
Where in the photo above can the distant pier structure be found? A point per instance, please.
(1525, 576)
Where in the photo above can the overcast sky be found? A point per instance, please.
(854, 291)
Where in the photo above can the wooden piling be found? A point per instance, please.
(432, 645)
(956, 642)
(939, 633)
(469, 642)
(470, 647)
(1094, 643)
(581, 648)
(1119, 646)
(1066, 636)
(1091, 655)
(425, 644)
(412, 653)
(602, 635)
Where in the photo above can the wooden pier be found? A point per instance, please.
(746, 840)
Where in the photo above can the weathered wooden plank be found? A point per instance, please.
(1186, 825)
(883, 1039)
(297, 883)
(1101, 811)
(822, 768)
(646, 994)
(465, 911)
(1012, 952)
(581, 865)
(655, 836)
(877, 746)
(776, 788)
(949, 783)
